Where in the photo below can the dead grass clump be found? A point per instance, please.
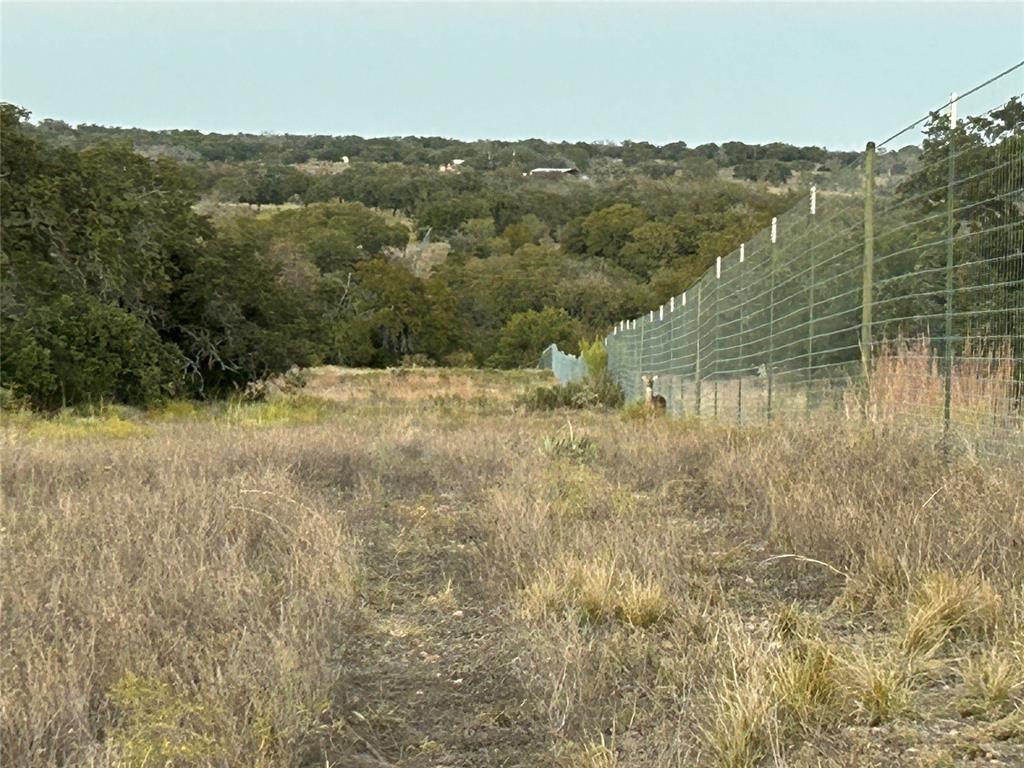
(773, 688)
(881, 583)
(855, 497)
(743, 724)
(582, 492)
(593, 754)
(942, 606)
(907, 379)
(519, 511)
(796, 683)
(167, 591)
(880, 687)
(993, 682)
(577, 674)
(642, 602)
(597, 590)
(807, 686)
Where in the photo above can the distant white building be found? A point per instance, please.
(452, 167)
(553, 171)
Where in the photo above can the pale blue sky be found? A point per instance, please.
(826, 74)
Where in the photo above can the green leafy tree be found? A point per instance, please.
(606, 231)
(475, 237)
(78, 349)
(241, 319)
(529, 230)
(987, 243)
(395, 313)
(263, 184)
(95, 244)
(527, 334)
(651, 245)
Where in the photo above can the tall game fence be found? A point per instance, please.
(566, 368)
(901, 301)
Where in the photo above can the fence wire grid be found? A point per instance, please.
(565, 367)
(902, 301)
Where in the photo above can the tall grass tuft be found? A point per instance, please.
(160, 585)
(907, 383)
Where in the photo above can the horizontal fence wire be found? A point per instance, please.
(900, 302)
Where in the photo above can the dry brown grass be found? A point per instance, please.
(597, 590)
(993, 681)
(191, 575)
(943, 605)
(434, 578)
(414, 385)
(907, 381)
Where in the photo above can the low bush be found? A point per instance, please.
(595, 355)
(598, 391)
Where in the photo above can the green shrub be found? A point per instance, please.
(569, 445)
(596, 392)
(416, 360)
(609, 393)
(78, 349)
(527, 334)
(460, 359)
(595, 356)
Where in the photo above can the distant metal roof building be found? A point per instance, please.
(569, 171)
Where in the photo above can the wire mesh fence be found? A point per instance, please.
(565, 367)
(901, 301)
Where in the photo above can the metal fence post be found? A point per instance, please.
(771, 318)
(741, 368)
(718, 314)
(810, 309)
(697, 383)
(641, 366)
(869, 269)
(682, 356)
(671, 347)
(947, 352)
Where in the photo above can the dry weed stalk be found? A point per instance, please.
(907, 381)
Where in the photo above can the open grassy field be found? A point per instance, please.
(408, 569)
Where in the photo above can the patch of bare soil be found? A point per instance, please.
(428, 679)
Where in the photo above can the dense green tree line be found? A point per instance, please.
(426, 151)
(117, 288)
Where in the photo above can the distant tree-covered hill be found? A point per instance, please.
(776, 163)
(147, 264)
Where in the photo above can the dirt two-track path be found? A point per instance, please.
(428, 675)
